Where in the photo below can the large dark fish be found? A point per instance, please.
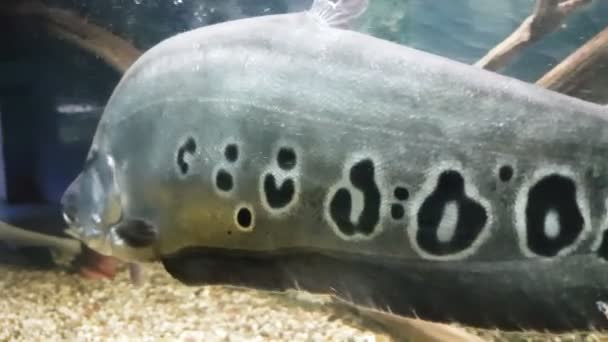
(285, 151)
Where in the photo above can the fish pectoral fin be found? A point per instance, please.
(337, 13)
(136, 233)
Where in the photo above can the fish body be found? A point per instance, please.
(285, 151)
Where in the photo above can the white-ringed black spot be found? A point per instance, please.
(281, 196)
(188, 147)
(601, 244)
(505, 173)
(244, 217)
(440, 234)
(602, 250)
(286, 158)
(362, 178)
(397, 211)
(224, 180)
(279, 184)
(231, 153)
(552, 216)
(401, 193)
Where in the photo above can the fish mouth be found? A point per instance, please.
(73, 232)
(94, 265)
(92, 237)
(95, 260)
(108, 242)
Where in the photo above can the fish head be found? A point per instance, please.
(91, 204)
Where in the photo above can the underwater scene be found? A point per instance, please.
(304, 170)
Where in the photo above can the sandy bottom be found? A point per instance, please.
(56, 306)
(46, 305)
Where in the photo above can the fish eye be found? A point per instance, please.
(96, 218)
(68, 218)
(91, 158)
(69, 207)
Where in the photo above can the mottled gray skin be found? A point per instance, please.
(336, 96)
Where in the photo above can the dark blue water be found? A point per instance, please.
(466, 29)
(460, 29)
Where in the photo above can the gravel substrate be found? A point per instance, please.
(57, 306)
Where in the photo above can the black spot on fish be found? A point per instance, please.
(136, 233)
(244, 218)
(187, 148)
(397, 211)
(603, 249)
(505, 173)
(224, 180)
(401, 193)
(286, 158)
(553, 195)
(340, 205)
(470, 217)
(231, 153)
(278, 196)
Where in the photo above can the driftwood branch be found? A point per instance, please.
(64, 250)
(585, 69)
(545, 19)
(68, 26)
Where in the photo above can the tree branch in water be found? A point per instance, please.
(548, 15)
(66, 25)
(583, 73)
(64, 249)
